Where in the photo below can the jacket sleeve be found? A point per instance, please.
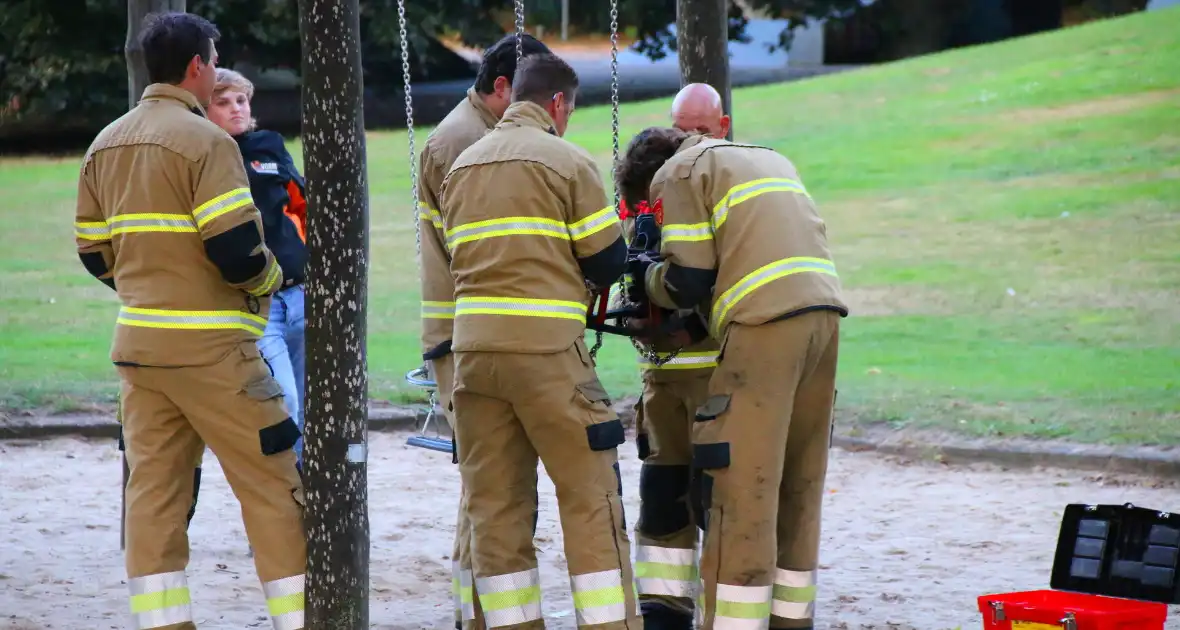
(430, 180)
(595, 229)
(688, 272)
(91, 232)
(230, 224)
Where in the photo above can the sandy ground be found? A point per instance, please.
(906, 545)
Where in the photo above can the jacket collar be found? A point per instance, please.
(485, 113)
(528, 114)
(693, 141)
(176, 94)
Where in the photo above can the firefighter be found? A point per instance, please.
(165, 218)
(743, 242)
(473, 117)
(531, 235)
(665, 534)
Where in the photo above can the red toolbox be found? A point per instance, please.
(1117, 567)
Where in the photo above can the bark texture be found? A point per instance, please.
(702, 42)
(336, 441)
(137, 77)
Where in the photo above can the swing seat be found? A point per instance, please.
(420, 377)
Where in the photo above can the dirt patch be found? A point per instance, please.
(1089, 109)
(896, 300)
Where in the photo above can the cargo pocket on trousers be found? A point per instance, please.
(604, 430)
(282, 435)
(709, 452)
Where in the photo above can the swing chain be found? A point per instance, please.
(614, 102)
(413, 162)
(519, 9)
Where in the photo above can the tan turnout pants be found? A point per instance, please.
(511, 409)
(236, 407)
(666, 534)
(760, 454)
(467, 608)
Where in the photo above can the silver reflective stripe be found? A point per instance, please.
(665, 571)
(92, 230)
(751, 189)
(686, 232)
(525, 307)
(160, 600)
(593, 224)
(190, 320)
(794, 594)
(507, 226)
(463, 593)
(438, 310)
(685, 360)
(742, 607)
(285, 602)
(599, 597)
(127, 223)
(510, 599)
(222, 204)
(762, 276)
(430, 215)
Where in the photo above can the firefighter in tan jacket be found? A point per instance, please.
(531, 232)
(469, 121)
(666, 536)
(741, 235)
(165, 218)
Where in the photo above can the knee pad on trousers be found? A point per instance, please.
(701, 497)
(643, 446)
(661, 489)
(192, 510)
(657, 616)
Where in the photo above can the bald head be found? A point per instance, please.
(697, 108)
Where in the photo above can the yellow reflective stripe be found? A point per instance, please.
(507, 226)
(794, 594)
(92, 230)
(150, 222)
(191, 320)
(683, 361)
(522, 307)
(222, 204)
(751, 189)
(665, 571)
(510, 599)
(430, 215)
(742, 602)
(593, 224)
(160, 599)
(285, 602)
(765, 275)
(272, 279)
(438, 310)
(599, 597)
(686, 232)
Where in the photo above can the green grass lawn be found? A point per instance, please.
(1006, 221)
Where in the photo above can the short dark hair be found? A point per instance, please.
(648, 151)
(170, 41)
(500, 60)
(539, 77)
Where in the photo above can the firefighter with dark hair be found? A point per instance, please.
(165, 218)
(743, 244)
(470, 120)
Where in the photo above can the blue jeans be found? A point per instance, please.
(282, 347)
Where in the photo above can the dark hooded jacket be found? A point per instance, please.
(278, 191)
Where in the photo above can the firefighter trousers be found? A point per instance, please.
(760, 455)
(235, 407)
(462, 580)
(666, 535)
(510, 409)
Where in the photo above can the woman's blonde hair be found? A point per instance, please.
(233, 80)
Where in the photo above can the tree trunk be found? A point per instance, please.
(702, 42)
(137, 10)
(137, 80)
(335, 444)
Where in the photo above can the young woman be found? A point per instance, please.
(277, 188)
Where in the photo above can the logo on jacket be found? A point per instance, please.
(268, 168)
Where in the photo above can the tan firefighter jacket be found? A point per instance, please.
(528, 223)
(741, 232)
(165, 217)
(690, 362)
(469, 121)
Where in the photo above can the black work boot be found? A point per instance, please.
(659, 617)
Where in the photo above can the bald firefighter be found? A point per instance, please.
(165, 218)
(666, 536)
(531, 234)
(741, 236)
(485, 103)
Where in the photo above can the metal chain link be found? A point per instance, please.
(614, 101)
(413, 161)
(519, 8)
